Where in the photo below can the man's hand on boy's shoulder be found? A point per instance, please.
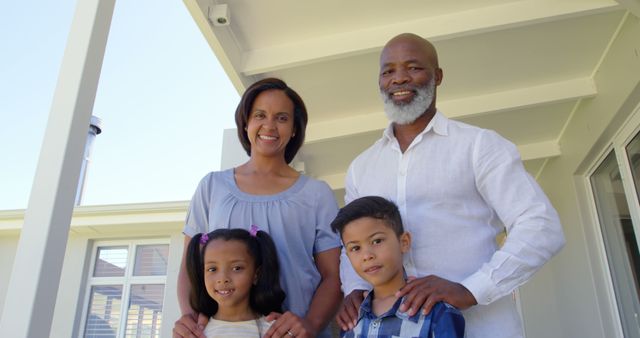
(425, 292)
(348, 312)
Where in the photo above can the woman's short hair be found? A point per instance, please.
(299, 115)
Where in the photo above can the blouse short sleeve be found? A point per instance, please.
(197, 220)
(327, 209)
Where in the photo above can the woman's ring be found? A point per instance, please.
(290, 334)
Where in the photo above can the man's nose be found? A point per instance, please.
(400, 76)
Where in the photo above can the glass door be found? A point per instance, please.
(612, 197)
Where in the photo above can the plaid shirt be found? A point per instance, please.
(444, 321)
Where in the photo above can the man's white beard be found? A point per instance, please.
(409, 112)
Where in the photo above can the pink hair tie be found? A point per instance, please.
(204, 239)
(253, 230)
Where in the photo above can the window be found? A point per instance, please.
(125, 289)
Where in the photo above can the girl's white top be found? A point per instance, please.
(250, 328)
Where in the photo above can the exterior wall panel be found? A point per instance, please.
(575, 278)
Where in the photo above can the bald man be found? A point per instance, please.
(457, 187)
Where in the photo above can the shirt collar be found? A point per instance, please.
(438, 124)
(366, 310)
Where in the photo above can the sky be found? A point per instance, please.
(163, 98)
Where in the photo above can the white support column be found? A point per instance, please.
(31, 296)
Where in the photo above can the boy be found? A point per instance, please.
(374, 240)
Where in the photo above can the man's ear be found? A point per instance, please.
(438, 76)
(405, 242)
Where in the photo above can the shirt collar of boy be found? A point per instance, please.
(366, 310)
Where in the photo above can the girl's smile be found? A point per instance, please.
(225, 292)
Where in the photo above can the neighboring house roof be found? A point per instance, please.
(122, 219)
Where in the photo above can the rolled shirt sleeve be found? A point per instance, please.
(534, 233)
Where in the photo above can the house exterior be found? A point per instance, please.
(559, 79)
(111, 249)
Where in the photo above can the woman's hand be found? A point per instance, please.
(288, 325)
(190, 326)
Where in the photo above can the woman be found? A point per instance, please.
(294, 209)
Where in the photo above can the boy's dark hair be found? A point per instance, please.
(299, 115)
(369, 206)
(266, 295)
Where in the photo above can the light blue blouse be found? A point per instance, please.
(298, 219)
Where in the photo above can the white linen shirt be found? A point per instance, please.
(457, 187)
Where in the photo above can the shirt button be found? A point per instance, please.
(376, 323)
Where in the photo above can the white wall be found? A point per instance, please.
(8, 246)
(566, 299)
(233, 154)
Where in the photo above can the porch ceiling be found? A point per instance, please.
(518, 67)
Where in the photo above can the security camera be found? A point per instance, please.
(219, 15)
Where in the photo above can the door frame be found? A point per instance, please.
(601, 269)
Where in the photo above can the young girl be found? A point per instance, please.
(234, 277)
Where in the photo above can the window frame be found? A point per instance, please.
(126, 281)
